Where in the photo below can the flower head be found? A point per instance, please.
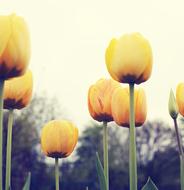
(129, 58)
(99, 99)
(120, 106)
(172, 105)
(14, 46)
(59, 138)
(18, 91)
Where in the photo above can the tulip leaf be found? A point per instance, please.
(100, 172)
(149, 185)
(28, 182)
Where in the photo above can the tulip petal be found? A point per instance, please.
(5, 32)
(140, 107)
(180, 97)
(19, 45)
(109, 57)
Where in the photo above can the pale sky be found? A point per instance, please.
(69, 39)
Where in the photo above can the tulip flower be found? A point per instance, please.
(173, 111)
(180, 98)
(15, 46)
(99, 98)
(121, 110)
(129, 59)
(17, 95)
(99, 105)
(14, 58)
(18, 91)
(58, 140)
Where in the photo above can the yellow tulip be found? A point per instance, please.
(14, 46)
(120, 106)
(99, 99)
(59, 138)
(180, 98)
(18, 91)
(129, 59)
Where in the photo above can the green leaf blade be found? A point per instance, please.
(100, 173)
(149, 185)
(28, 182)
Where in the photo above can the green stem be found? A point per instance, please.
(57, 173)
(178, 137)
(105, 151)
(1, 133)
(8, 150)
(182, 172)
(132, 143)
(180, 153)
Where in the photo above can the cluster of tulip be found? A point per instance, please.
(128, 60)
(16, 82)
(58, 137)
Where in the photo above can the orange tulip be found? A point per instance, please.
(59, 138)
(180, 98)
(120, 106)
(14, 46)
(18, 91)
(129, 59)
(99, 99)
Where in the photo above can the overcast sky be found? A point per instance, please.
(69, 39)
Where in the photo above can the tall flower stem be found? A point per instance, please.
(105, 153)
(180, 153)
(1, 133)
(8, 150)
(57, 173)
(132, 143)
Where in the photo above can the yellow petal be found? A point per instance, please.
(180, 97)
(140, 107)
(5, 32)
(109, 57)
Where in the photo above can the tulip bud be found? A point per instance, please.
(173, 107)
(18, 91)
(129, 59)
(59, 138)
(14, 46)
(99, 99)
(121, 108)
(180, 98)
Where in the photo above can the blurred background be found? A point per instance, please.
(157, 153)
